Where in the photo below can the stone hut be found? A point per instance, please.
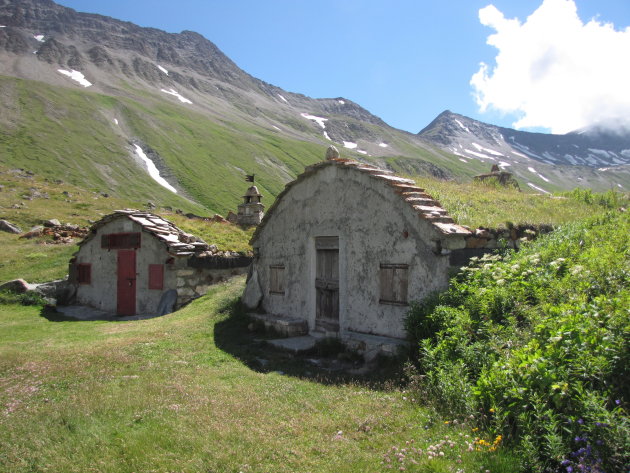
(343, 251)
(251, 211)
(498, 175)
(135, 262)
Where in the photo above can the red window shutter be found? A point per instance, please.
(84, 273)
(156, 276)
(120, 241)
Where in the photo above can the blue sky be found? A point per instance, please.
(408, 60)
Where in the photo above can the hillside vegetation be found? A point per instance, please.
(27, 200)
(85, 139)
(535, 345)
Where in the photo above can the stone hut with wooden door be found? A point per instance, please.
(135, 262)
(344, 249)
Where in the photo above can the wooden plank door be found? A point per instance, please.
(327, 284)
(126, 284)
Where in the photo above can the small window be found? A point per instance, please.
(394, 279)
(120, 241)
(156, 276)
(84, 273)
(276, 279)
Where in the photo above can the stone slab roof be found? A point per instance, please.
(177, 242)
(425, 206)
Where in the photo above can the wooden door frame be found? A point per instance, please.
(327, 243)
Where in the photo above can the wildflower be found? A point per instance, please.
(617, 401)
(492, 410)
(580, 421)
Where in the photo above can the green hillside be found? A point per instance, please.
(71, 135)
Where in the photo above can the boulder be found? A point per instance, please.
(53, 222)
(9, 227)
(252, 294)
(19, 286)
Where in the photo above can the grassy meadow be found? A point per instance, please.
(193, 391)
(197, 391)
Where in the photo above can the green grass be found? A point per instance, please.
(186, 393)
(479, 205)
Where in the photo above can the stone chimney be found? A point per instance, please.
(251, 211)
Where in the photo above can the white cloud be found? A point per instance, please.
(555, 71)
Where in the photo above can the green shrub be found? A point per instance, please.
(27, 298)
(535, 344)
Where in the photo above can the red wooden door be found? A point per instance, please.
(126, 302)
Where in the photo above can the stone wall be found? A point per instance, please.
(486, 240)
(196, 274)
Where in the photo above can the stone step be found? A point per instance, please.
(286, 326)
(294, 344)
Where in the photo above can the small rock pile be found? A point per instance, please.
(511, 237)
(62, 234)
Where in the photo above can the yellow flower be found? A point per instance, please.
(492, 409)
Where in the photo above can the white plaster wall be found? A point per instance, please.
(102, 292)
(370, 220)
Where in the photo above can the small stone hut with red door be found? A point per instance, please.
(344, 249)
(135, 262)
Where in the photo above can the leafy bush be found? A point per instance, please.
(535, 344)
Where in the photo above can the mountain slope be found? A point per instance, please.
(596, 156)
(100, 101)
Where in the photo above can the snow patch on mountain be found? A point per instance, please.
(116, 121)
(479, 155)
(463, 126)
(385, 145)
(600, 152)
(153, 170)
(487, 150)
(533, 171)
(341, 102)
(319, 120)
(349, 145)
(174, 93)
(76, 76)
(162, 69)
(283, 99)
(326, 135)
(39, 37)
(539, 189)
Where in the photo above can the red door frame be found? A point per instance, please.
(126, 283)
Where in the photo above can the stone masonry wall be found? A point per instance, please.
(195, 275)
(485, 240)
